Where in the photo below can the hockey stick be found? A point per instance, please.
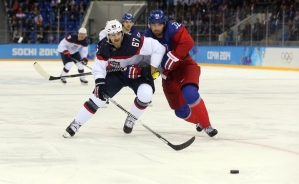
(175, 147)
(76, 61)
(43, 73)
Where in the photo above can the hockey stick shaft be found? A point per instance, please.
(175, 147)
(76, 61)
(43, 73)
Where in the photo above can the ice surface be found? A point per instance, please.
(255, 111)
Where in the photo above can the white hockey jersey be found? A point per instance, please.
(73, 45)
(102, 34)
(134, 50)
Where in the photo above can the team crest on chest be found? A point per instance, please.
(114, 64)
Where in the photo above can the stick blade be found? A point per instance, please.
(182, 146)
(41, 71)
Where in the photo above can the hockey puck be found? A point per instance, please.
(234, 171)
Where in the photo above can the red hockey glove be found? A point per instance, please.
(132, 71)
(66, 53)
(169, 61)
(84, 61)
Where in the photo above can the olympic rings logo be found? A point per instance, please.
(286, 57)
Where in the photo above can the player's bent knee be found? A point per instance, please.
(182, 112)
(98, 102)
(80, 66)
(91, 106)
(140, 104)
(145, 93)
(69, 65)
(190, 93)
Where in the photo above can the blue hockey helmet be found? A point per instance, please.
(128, 16)
(156, 16)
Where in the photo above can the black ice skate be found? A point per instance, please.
(83, 81)
(128, 126)
(71, 129)
(198, 127)
(63, 80)
(211, 131)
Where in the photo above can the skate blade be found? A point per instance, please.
(215, 137)
(66, 135)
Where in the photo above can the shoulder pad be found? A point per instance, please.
(104, 48)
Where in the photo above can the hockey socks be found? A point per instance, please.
(194, 114)
(88, 110)
(66, 68)
(200, 113)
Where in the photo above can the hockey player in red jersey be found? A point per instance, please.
(121, 51)
(180, 73)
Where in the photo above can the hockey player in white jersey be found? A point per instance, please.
(127, 22)
(103, 33)
(74, 46)
(127, 52)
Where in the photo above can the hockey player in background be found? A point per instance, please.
(180, 73)
(127, 23)
(127, 52)
(69, 48)
(103, 33)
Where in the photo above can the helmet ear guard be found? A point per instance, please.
(156, 16)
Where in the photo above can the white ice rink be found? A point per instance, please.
(255, 111)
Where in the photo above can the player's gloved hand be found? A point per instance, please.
(156, 74)
(132, 71)
(66, 53)
(101, 89)
(84, 61)
(146, 72)
(169, 61)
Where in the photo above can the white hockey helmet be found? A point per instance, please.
(113, 26)
(82, 30)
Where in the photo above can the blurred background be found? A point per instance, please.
(210, 22)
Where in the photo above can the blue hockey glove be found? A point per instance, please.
(169, 61)
(101, 89)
